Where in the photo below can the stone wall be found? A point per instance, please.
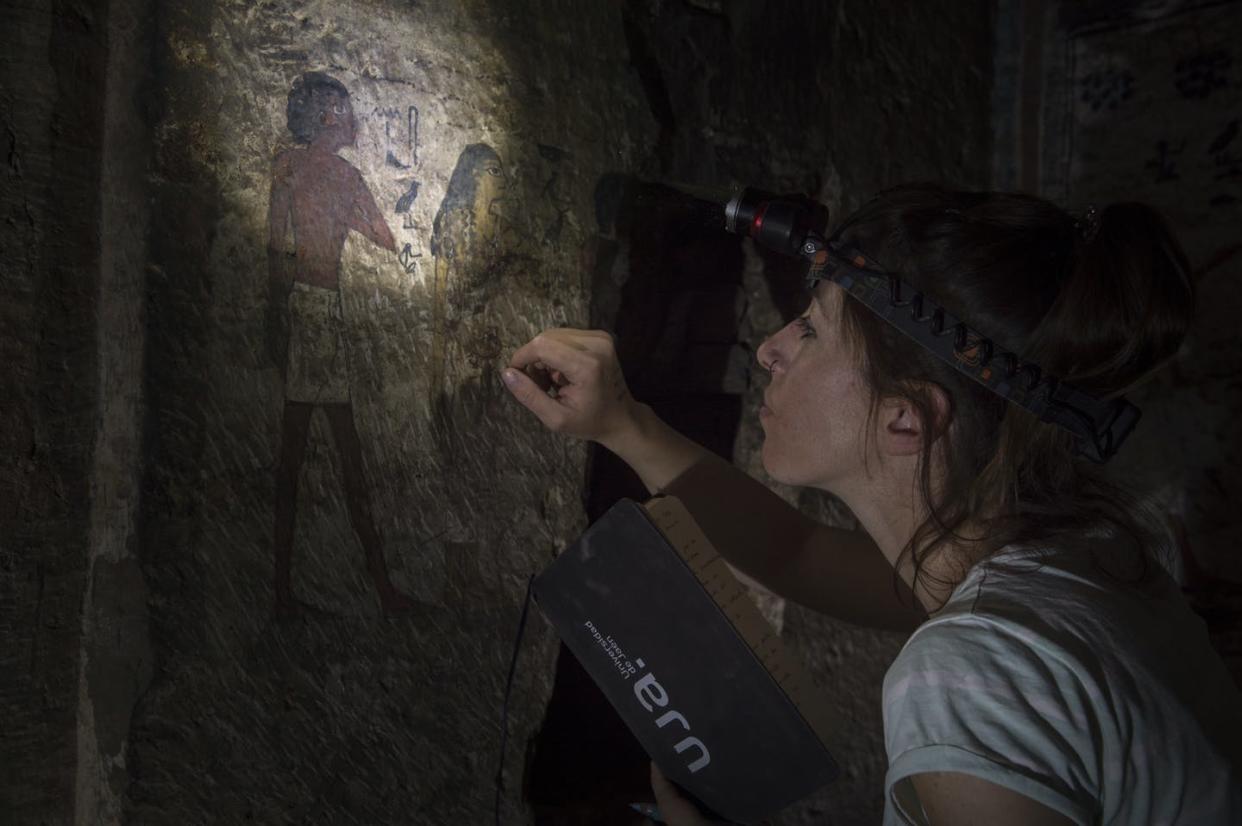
(52, 62)
(150, 357)
(336, 705)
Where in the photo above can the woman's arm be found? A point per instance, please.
(957, 799)
(835, 571)
(838, 572)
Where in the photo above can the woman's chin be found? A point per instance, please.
(772, 466)
(784, 472)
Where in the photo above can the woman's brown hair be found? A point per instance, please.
(1100, 306)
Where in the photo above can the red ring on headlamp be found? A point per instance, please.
(756, 223)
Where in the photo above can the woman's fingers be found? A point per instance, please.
(597, 340)
(571, 380)
(675, 809)
(550, 351)
(535, 398)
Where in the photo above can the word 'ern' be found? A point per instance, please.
(651, 694)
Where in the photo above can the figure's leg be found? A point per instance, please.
(295, 425)
(358, 499)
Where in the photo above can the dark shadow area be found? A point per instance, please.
(675, 317)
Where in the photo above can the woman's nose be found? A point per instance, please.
(766, 354)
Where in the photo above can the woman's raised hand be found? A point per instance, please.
(571, 380)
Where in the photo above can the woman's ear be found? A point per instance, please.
(904, 426)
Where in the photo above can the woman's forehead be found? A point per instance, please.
(827, 298)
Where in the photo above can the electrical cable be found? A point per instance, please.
(504, 708)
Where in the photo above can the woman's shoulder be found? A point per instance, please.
(1094, 579)
(1064, 625)
(1042, 659)
(1066, 602)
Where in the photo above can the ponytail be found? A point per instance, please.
(1125, 308)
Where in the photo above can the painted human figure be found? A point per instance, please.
(466, 245)
(321, 197)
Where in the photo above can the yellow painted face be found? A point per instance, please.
(490, 186)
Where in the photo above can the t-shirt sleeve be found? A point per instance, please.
(967, 695)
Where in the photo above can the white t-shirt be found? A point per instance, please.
(1043, 675)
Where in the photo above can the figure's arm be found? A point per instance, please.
(365, 217)
(279, 261)
(833, 570)
(279, 205)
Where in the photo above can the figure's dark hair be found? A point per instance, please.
(1101, 314)
(306, 101)
(462, 186)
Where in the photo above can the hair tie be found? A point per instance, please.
(1088, 224)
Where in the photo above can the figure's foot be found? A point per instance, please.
(290, 607)
(396, 604)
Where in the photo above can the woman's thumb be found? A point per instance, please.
(530, 395)
(675, 809)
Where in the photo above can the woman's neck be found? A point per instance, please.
(892, 511)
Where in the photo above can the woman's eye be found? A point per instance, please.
(338, 109)
(804, 326)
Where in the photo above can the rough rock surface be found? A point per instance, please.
(343, 714)
(52, 62)
(151, 672)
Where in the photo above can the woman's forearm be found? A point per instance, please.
(655, 451)
(837, 571)
(750, 525)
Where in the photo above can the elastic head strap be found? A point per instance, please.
(1100, 425)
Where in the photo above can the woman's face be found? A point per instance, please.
(816, 405)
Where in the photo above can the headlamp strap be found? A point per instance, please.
(1100, 425)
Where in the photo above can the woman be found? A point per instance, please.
(1055, 675)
